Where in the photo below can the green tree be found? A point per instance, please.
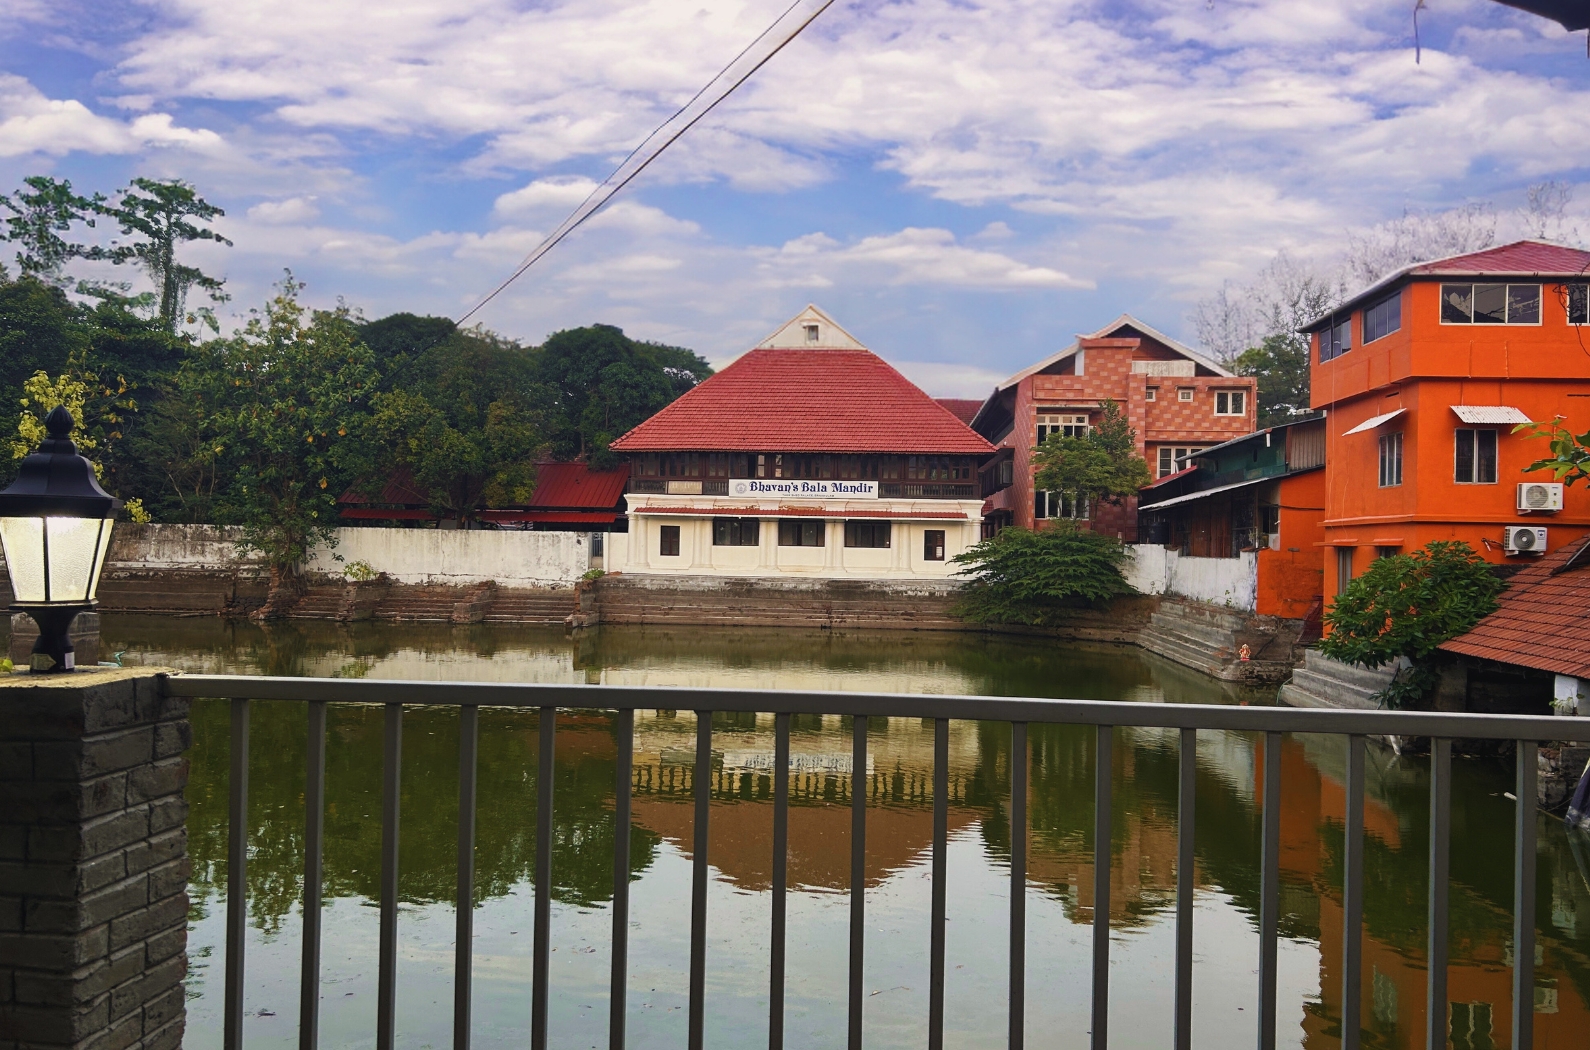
(1032, 577)
(39, 215)
(40, 329)
(1102, 466)
(160, 217)
(1280, 364)
(603, 383)
(1406, 606)
(1569, 461)
(282, 408)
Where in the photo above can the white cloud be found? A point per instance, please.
(291, 210)
(950, 380)
(32, 123)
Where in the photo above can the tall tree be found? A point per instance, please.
(1281, 365)
(39, 215)
(161, 216)
(1103, 465)
(283, 406)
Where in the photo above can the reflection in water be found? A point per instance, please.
(898, 783)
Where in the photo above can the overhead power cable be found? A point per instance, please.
(755, 55)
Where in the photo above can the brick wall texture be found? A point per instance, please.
(93, 863)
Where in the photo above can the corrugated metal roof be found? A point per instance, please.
(1541, 620)
(1207, 492)
(1374, 421)
(1490, 414)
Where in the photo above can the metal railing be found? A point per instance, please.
(1441, 728)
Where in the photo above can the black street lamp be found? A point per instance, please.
(55, 526)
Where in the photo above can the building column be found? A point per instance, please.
(93, 861)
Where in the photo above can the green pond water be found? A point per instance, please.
(899, 837)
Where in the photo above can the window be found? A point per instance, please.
(1383, 318)
(1184, 393)
(1387, 552)
(812, 333)
(1475, 457)
(1231, 402)
(1490, 304)
(932, 544)
(1344, 568)
(797, 533)
(735, 532)
(1062, 425)
(1578, 304)
(1335, 339)
(596, 544)
(1391, 460)
(669, 544)
(1152, 394)
(1168, 455)
(867, 533)
(1057, 505)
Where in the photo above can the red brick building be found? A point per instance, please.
(1177, 400)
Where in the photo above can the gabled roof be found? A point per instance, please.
(775, 399)
(1110, 330)
(575, 486)
(1542, 619)
(792, 334)
(1519, 259)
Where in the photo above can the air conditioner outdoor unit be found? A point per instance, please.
(1540, 496)
(1522, 539)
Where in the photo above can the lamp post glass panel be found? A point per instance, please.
(55, 527)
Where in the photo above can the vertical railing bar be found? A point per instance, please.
(314, 840)
(1436, 1006)
(1524, 897)
(941, 809)
(236, 878)
(464, 934)
(858, 874)
(546, 777)
(1018, 885)
(701, 783)
(1103, 782)
(1353, 897)
(391, 803)
(1186, 823)
(1269, 890)
(618, 994)
(775, 1009)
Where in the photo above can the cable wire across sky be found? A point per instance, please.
(755, 55)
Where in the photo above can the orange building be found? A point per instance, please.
(1176, 399)
(1423, 376)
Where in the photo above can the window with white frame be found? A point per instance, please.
(1064, 424)
(1184, 393)
(813, 334)
(1578, 305)
(1057, 505)
(1490, 304)
(1169, 454)
(1152, 394)
(1474, 457)
(1231, 402)
(1391, 460)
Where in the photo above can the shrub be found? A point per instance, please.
(1406, 606)
(359, 571)
(1025, 576)
(592, 574)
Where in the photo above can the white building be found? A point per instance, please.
(808, 456)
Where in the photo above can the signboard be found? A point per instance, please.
(808, 489)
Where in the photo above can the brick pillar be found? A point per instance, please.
(93, 861)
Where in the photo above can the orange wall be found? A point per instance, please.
(1291, 579)
(1425, 368)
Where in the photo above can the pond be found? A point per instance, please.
(899, 837)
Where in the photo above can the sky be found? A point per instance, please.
(963, 185)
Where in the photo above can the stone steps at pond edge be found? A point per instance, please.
(549, 606)
(816, 603)
(1323, 682)
(420, 604)
(319, 603)
(1209, 638)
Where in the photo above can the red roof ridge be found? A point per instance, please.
(1541, 620)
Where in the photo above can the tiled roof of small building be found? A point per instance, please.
(575, 485)
(965, 408)
(778, 400)
(1543, 619)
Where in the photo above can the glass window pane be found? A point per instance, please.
(1523, 304)
(1490, 304)
(1457, 303)
(1579, 304)
(23, 539)
(1464, 463)
(74, 548)
(1485, 457)
(104, 549)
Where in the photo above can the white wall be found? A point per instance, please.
(200, 547)
(511, 559)
(1230, 582)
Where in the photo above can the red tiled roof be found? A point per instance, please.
(576, 486)
(805, 401)
(1531, 257)
(965, 408)
(804, 512)
(1543, 619)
